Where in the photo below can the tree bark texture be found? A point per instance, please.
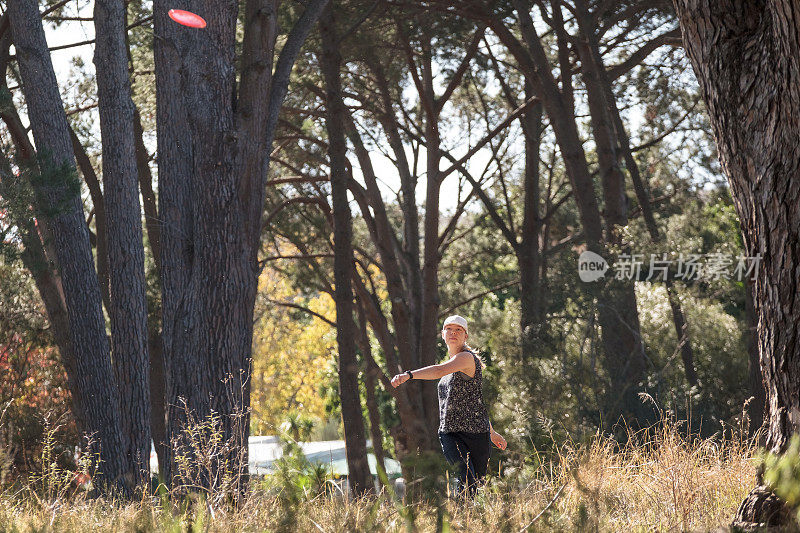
(213, 146)
(355, 441)
(176, 187)
(746, 56)
(58, 199)
(753, 106)
(206, 279)
(128, 312)
(35, 256)
(100, 242)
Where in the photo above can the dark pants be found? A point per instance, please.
(470, 452)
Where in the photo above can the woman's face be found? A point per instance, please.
(453, 334)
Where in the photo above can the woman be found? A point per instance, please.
(464, 427)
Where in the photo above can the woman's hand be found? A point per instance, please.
(399, 379)
(497, 439)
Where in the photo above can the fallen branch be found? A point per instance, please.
(546, 507)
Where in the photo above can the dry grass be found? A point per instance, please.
(668, 483)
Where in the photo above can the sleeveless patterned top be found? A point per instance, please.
(461, 406)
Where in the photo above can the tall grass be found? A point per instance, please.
(664, 482)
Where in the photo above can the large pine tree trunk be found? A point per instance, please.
(183, 369)
(209, 278)
(213, 155)
(128, 311)
(59, 200)
(745, 55)
(355, 440)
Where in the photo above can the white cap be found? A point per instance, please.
(457, 320)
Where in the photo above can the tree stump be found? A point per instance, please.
(762, 509)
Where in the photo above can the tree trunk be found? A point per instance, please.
(428, 319)
(213, 154)
(599, 89)
(745, 55)
(59, 200)
(619, 322)
(371, 375)
(175, 186)
(158, 428)
(128, 312)
(529, 251)
(375, 421)
(682, 334)
(208, 280)
(355, 442)
(99, 205)
(35, 252)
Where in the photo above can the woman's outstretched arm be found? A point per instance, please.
(463, 362)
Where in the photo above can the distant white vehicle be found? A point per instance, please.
(265, 450)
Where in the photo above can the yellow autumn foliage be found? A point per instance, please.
(291, 351)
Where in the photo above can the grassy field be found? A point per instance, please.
(668, 483)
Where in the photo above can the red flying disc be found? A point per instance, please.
(187, 18)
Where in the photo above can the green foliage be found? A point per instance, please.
(782, 473)
(16, 216)
(719, 357)
(53, 480)
(295, 478)
(56, 185)
(297, 427)
(209, 463)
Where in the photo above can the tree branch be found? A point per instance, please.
(301, 308)
(479, 295)
(283, 67)
(672, 38)
(469, 53)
